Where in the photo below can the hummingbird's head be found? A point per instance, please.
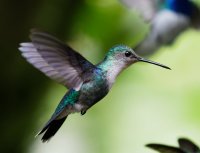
(125, 56)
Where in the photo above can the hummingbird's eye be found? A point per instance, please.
(128, 53)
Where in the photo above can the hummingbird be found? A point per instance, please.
(167, 18)
(185, 146)
(87, 83)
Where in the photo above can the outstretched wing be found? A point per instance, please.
(55, 59)
(147, 8)
(188, 146)
(164, 148)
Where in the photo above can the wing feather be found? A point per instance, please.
(188, 146)
(55, 59)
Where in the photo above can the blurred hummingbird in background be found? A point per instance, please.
(87, 83)
(168, 19)
(185, 146)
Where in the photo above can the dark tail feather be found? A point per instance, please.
(51, 128)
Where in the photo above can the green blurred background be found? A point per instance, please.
(146, 104)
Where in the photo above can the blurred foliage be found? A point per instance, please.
(146, 104)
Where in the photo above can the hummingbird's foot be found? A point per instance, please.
(83, 112)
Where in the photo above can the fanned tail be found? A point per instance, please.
(60, 114)
(51, 128)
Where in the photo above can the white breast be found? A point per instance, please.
(167, 25)
(114, 71)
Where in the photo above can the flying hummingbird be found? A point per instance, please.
(168, 19)
(185, 146)
(87, 83)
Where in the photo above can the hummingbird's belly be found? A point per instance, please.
(92, 92)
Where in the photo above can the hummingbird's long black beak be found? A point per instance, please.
(152, 62)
